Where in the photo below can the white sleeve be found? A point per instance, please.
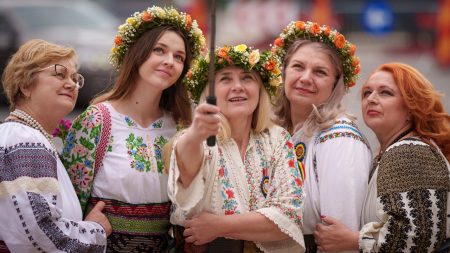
(343, 166)
(187, 201)
(29, 192)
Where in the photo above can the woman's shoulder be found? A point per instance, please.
(410, 164)
(276, 132)
(13, 133)
(343, 129)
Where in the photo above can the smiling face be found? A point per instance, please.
(165, 64)
(309, 77)
(383, 108)
(237, 92)
(53, 92)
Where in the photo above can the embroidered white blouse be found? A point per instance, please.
(267, 181)
(132, 170)
(337, 162)
(40, 211)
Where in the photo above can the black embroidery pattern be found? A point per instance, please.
(441, 197)
(407, 167)
(422, 218)
(132, 243)
(398, 226)
(27, 159)
(42, 213)
(24, 225)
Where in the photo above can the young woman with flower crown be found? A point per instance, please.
(319, 66)
(245, 193)
(113, 150)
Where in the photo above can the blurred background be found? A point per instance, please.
(415, 32)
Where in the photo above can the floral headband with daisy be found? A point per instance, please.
(150, 18)
(266, 64)
(313, 31)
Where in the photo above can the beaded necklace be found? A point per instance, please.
(30, 121)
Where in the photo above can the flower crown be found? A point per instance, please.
(150, 18)
(265, 64)
(312, 31)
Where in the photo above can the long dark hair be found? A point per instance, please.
(174, 99)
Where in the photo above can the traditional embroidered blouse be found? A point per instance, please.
(267, 181)
(407, 203)
(40, 211)
(131, 179)
(337, 164)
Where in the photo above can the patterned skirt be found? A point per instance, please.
(136, 227)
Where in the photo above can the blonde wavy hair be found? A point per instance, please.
(31, 57)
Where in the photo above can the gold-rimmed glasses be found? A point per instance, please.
(61, 72)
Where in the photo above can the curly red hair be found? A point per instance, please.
(430, 119)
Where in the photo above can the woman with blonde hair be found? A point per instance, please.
(245, 193)
(407, 206)
(319, 67)
(40, 210)
(118, 140)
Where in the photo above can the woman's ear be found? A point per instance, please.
(25, 91)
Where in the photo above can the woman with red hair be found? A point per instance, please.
(407, 205)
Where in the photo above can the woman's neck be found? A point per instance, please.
(240, 132)
(48, 121)
(141, 107)
(298, 117)
(389, 138)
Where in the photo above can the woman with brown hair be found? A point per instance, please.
(118, 140)
(407, 205)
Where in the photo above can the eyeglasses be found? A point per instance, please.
(61, 72)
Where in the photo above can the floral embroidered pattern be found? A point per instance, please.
(345, 129)
(141, 154)
(78, 155)
(138, 151)
(158, 145)
(229, 202)
(157, 124)
(129, 121)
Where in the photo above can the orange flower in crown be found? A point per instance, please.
(313, 31)
(150, 18)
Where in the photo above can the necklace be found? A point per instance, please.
(401, 135)
(30, 121)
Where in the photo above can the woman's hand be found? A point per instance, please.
(96, 215)
(334, 236)
(206, 122)
(200, 229)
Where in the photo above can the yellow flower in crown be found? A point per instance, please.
(313, 31)
(265, 64)
(131, 21)
(150, 18)
(240, 48)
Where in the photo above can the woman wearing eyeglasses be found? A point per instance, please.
(39, 207)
